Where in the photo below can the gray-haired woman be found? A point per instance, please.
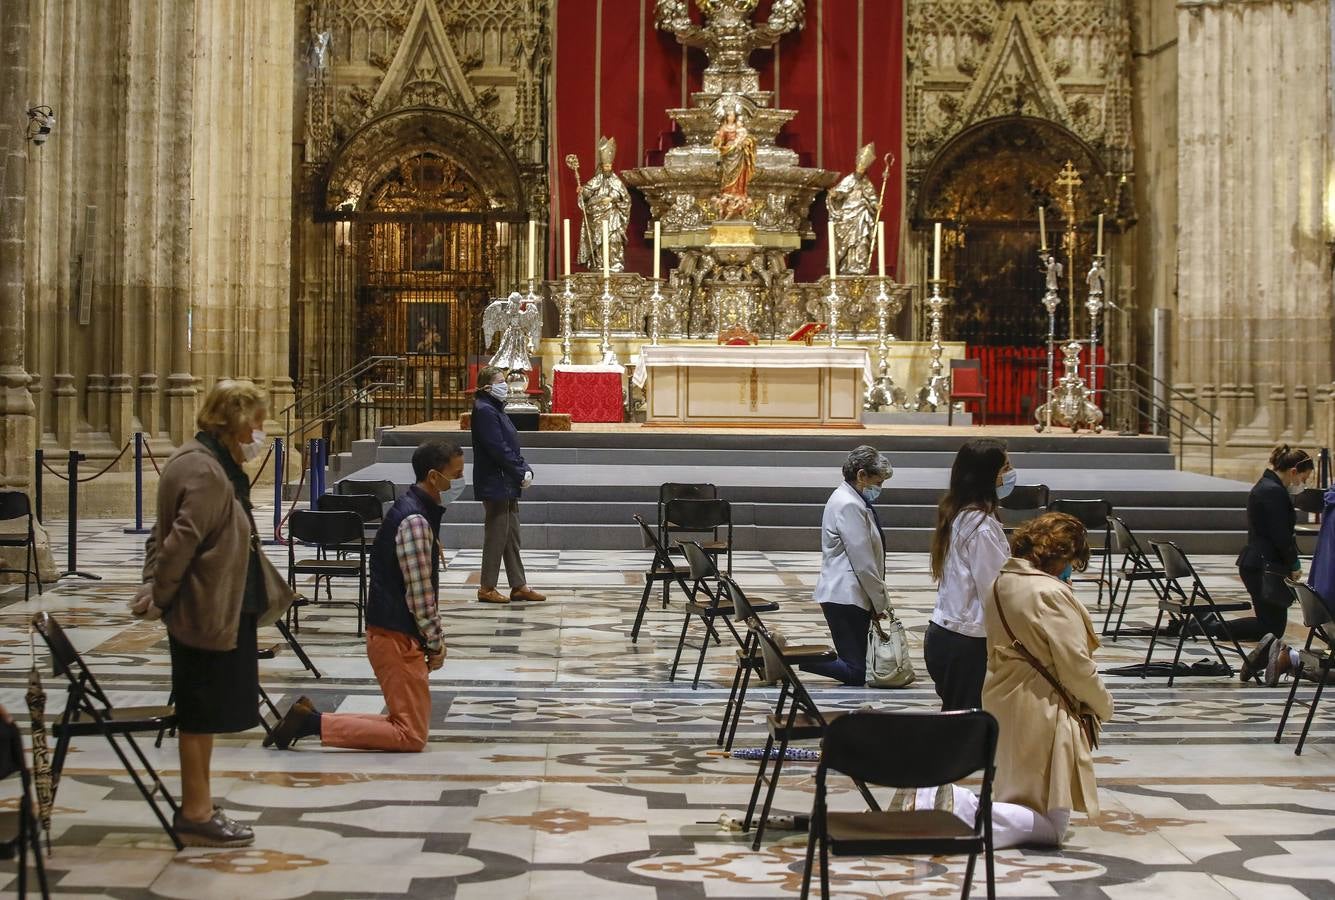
(851, 586)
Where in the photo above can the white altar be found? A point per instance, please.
(780, 385)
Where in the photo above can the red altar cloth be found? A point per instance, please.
(588, 393)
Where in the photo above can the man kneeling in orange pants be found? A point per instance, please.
(403, 634)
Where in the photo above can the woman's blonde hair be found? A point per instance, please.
(1050, 538)
(229, 406)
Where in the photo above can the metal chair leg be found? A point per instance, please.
(1311, 710)
(1288, 706)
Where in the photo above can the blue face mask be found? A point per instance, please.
(500, 390)
(1007, 485)
(453, 492)
(1066, 574)
(871, 493)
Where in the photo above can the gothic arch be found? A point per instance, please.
(381, 145)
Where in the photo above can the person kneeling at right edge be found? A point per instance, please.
(403, 633)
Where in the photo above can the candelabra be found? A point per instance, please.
(609, 355)
(567, 322)
(1051, 300)
(1094, 305)
(883, 391)
(935, 390)
(655, 311)
(832, 311)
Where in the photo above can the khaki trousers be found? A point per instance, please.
(500, 542)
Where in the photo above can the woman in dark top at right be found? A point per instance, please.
(1271, 554)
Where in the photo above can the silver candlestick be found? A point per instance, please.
(609, 355)
(935, 391)
(832, 310)
(883, 391)
(1094, 305)
(567, 322)
(655, 311)
(1051, 300)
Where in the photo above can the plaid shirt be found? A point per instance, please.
(415, 547)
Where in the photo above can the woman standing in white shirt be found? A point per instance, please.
(851, 586)
(968, 550)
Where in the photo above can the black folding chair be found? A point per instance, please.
(1093, 514)
(1187, 606)
(1312, 502)
(1136, 567)
(795, 718)
(750, 659)
(367, 507)
(383, 490)
(662, 570)
(1314, 664)
(1024, 502)
(675, 490)
(19, 833)
(703, 517)
(89, 711)
(15, 505)
(329, 533)
(707, 604)
(905, 750)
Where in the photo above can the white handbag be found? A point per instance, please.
(888, 662)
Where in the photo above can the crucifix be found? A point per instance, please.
(1069, 179)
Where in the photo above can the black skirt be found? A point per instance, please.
(217, 692)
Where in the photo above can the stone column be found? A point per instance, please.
(1255, 304)
(17, 414)
(181, 392)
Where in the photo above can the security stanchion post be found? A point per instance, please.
(138, 486)
(312, 462)
(40, 457)
(280, 468)
(72, 550)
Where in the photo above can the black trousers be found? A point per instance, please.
(1270, 618)
(957, 664)
(849, 625)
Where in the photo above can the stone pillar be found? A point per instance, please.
(1254, 306)
(18, 437)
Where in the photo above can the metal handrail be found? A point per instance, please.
(1177, 394)
(1155, 408)
(338, 381)
(348, 392)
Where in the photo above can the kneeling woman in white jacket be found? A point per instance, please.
(851, 586)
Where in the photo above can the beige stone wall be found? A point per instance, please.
(1254, 306)
(155, 222)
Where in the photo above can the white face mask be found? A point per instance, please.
(253, 450)
(500, 391)
(454, 491)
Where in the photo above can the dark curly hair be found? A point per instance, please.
(1050, 538)
(1283, 458)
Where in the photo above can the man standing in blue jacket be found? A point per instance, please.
(499, 475)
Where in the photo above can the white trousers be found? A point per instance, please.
(1013, 825)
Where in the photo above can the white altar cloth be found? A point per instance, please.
(751, 357)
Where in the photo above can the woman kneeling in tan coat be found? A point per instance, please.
(1041, 680)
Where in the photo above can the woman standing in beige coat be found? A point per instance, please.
(1038, 633)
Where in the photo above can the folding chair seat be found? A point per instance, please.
(662, 570)
(1136, 568)
(685, 516)
(1315, 659)
(750, 659)
(15, 505)
(329, 533)
(19, 834)
(367, 507)
(89, 711)
(712, 607)
(795, 718)
(905, 751)
(1093, 514)
(383, 490)
(1024, 502)
(1186, 606)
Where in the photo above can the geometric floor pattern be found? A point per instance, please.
(562, 764)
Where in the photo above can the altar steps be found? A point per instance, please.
(589, 484)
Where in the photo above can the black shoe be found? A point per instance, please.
(302, 701)
(1255, 661)
(295, 724)
(217, 831)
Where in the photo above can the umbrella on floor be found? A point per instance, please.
(41, 752)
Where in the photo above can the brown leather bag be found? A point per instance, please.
(1089, 723)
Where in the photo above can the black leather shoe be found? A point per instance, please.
(292, 726)
(217, 831)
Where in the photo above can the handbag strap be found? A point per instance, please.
(1066, 699)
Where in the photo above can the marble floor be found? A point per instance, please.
(562, 764)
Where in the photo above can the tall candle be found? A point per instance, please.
(1100, 250)
(880, 249)
(1042, 230)
(532, 249)
(565, 238)
(936, 253)
(607, 259)
(830, 235)
(658, 257)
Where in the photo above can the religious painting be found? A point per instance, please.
(428, 247)
(428, 327)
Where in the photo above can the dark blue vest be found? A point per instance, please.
(387, 604)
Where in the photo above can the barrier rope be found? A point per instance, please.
(278, 531)
(109, 466)
(256, 480)
(151, 458)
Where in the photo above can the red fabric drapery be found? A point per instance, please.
(617, 75)
(1012, 373)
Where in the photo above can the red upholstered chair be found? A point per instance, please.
(967, 383)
